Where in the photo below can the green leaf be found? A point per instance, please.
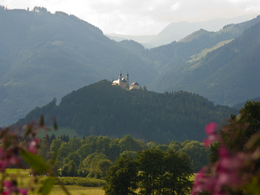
(47, 185)
(36, 162)
(253, 142)
(253, 187)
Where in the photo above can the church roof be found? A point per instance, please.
(115, 81)
(134, 83)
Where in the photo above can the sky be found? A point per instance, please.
(142, 17)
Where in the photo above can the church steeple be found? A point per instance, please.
(120, 79)
(127, 80)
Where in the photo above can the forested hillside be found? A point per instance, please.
(44, 55)
(103, 109)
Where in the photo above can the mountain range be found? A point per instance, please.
(176, 31)
(226, 71)
(45, 55)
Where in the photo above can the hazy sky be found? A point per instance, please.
(135, 17)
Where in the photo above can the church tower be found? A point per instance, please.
(127, 80)
(120, 79)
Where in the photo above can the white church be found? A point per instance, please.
(124, 83)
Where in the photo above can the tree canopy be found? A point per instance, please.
(103, 109)
(153, 172)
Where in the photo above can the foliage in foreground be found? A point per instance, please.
(19, 150)
(236, 167)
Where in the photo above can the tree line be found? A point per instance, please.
(153, 172)
(92, 156)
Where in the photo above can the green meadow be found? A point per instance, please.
(22, 175)
(78, 190)
(24, 180)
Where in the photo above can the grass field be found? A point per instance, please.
(24, 179)
(20, 174)
(78, 190)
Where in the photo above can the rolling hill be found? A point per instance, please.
(103, 109)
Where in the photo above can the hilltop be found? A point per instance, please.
(103, 109)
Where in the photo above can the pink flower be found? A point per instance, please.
(212, 135)
(5, 193)
(199, 182)
(3, 165)
(210, 128)
(34, 145)
(13, 160)
(207, 142)
(223, 152)
(8, 184)
(212, 138)
(10, 187)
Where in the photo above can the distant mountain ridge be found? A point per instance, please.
(227, 75)
(140, 39)
(182, 65)
(176, 31)
(175, 55)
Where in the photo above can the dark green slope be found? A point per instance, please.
(103, 109)
(44, 55)
(228, 75)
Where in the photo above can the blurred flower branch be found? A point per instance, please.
(19, 150)
(237, 157)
